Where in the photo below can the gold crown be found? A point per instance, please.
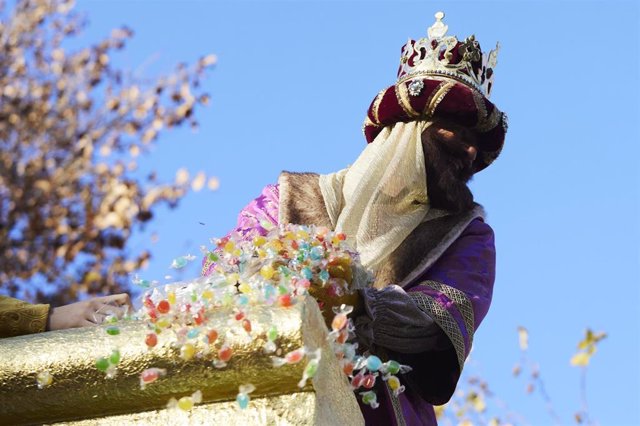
(444, 56)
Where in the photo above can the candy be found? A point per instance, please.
(311, 368)
(373, 363)
(370, 399)
(186, 403)
(163, 306)
(212, 336)
(44, 379)
(274, 269)
(102, 364)
(292, 357)
(267, 272)
(368, 381)
(114, 358)
(113, 330)
(243, 395)
(150, 375)
(187, 351)
(284, 300)
(394, 385)
(179, 262)
(225, 353)
(392, 367)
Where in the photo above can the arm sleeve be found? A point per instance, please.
(430, 326)
(18, 317)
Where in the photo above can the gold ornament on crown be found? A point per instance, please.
(431, 57)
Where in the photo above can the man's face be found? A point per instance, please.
(449, 150)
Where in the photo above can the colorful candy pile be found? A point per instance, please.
(272, 270)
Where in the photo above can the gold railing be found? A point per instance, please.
(80, 394)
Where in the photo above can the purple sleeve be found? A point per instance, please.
(255, 219)
(430, 326)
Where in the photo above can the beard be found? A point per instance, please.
(447, 176)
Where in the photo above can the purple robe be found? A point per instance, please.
(427, 324)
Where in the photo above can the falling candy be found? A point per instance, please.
(108, 365)
(186, 403)
(163, 306)
(370, 399)
(272, 335)
(243, 395)
(179, 262)
(150, 375)
(311, 368)
(44, 379)
(292, 357)
(112, 330)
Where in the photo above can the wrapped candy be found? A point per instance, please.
(311, 368)
(150, 375)
(186, 403)
(275, 269)
(44, 379)
(243, 395)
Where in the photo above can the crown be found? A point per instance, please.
(441, 55)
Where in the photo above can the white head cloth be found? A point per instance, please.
(380, 199)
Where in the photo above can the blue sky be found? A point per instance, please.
(290, 92)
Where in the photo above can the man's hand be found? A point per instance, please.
(89, 312)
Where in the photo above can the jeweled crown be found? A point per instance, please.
(441, 55)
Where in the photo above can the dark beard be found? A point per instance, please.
(447, 177)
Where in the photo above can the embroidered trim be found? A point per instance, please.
(462, 303)
(368, 122)
(376, 105)
(444, 319)
(432, 95)
(437, 97)
(395, 404)
(402, 94)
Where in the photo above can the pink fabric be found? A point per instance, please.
(254, 219)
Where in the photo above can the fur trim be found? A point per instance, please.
(301, 200)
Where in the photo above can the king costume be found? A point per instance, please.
(434, 270)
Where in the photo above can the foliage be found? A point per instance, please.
(71, 129)
(475, 404)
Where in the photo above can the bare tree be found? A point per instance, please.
(71, 129)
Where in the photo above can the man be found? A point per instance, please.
(405, 206)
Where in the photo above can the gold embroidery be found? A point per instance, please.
(368, 122)
(397, 408)
(462, 303)
(402, 94)
(444, 319)
(437, 97)
(432, 95)
(376, 106)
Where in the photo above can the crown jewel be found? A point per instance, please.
(442, 55)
